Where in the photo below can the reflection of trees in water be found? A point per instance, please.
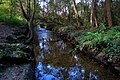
(48, 72)
(59, 60)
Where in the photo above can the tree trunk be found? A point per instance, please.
(69, 15)
(93, 19)
(109, 12)
(76, 13)
(30, 24)
(96, 22)
(29, 18)
(28, 7)
(23, 11)
(92, 15)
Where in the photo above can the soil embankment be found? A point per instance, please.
(16, 58)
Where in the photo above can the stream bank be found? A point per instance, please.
(58, 60)
(100, 57)
(16, 58)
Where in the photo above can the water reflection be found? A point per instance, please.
(48, 72)
(56, 52)
(58, 61)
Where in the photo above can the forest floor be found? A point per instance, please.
(15, 59)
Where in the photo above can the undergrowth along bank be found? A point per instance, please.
(103, 40)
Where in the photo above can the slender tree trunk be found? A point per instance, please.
(76, 13)
(92, 15)
(109, 12)
(93, 19)
(29, 18)
(73, 1)
(23, 11)
(69, 15)
(30, 24)
(28, 7)
(96, 22)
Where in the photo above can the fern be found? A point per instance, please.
(108, 40)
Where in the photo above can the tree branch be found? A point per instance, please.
(23, 11)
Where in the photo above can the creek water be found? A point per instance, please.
(57, 60)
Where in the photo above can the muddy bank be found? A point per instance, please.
(16, 58)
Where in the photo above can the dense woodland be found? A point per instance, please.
(92, 25)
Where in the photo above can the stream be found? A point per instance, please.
(58, 60)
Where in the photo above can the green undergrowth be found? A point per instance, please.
(8, 16)
(14, 20)
(102, 40)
